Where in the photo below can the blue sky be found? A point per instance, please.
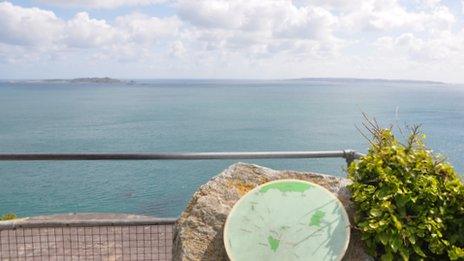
(393, 39)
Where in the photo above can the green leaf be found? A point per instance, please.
(8, 216)
(419, 251)
(397, 223)
(375, 212)
(387, 257)
(404, 253)
(456, 253)
(383, 237)
(395, 244)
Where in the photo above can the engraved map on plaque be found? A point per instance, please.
(287, 220)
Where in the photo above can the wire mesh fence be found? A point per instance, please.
(96, 242)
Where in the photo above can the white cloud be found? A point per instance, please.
(308, 23)
(384, 15)
(144, 29)
(177, 49)
(259, 28)
(280, 18)
(28, 26)
(102, 3)
(41, 28)
(212, 14)
(442, 47)
(84, 32)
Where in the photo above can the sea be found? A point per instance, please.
(196, 116)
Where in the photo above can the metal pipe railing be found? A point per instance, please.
(348, 155)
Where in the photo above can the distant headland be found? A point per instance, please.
(328, 79)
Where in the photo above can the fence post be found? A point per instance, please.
(350, 156)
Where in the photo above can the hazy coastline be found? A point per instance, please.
(109, 80)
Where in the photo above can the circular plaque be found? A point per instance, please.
(287, 220)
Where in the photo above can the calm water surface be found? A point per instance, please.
(194, 115)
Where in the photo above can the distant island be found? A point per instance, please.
(96, 80)
(103, 80)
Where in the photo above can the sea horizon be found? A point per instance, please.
(335, 79)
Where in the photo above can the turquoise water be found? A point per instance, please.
(194, 115)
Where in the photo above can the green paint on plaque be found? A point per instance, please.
(316, 218)
(287, 187)
(273, 243)
(287, 220)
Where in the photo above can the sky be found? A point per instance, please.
(239, 39)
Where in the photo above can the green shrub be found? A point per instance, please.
(8, 216)
(409, 203)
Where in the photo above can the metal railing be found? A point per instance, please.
(114, 239)
(348, 155)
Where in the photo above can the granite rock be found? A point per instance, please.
(198, 233)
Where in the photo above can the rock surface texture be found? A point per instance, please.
(198, 234)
